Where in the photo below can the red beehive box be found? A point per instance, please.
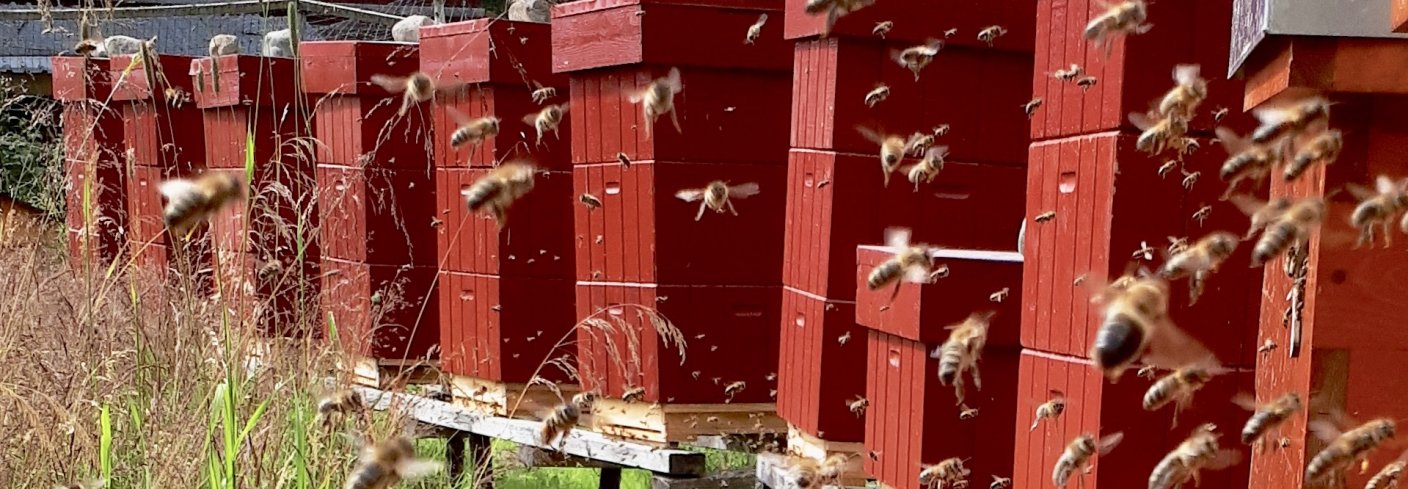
(93, 161)
(384, 311)
(536, 243)
(820, 342)
(503, 62)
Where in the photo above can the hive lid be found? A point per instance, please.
(1255, 20)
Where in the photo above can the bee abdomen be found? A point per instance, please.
(1254, 427)
(367, 477)
(1367, 212)
(459, 137)
(481, 193)
(949, 363)
(1298, 166)
(883, 274)
(1117, 341)
(1276, 239)
(1233, 166)
(1158, 395)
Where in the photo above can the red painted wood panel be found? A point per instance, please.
(378, 308)
(503, 328)
(495, 51)
(608, 33)
(244, 80)
(346, 67)
(817, 372)
(95, 183)
(968, 17)
(377, 216)
(77, 79)
(528, 247)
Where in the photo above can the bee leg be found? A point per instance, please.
(958, 388)
(977, 379)
(1388, 236)
(730, 207)
(896, 291)
(1195, 287)
(700, 215)
(649, 120)
(676, 120)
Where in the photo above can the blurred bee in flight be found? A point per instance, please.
(915, 58)
(1077, 455)
(564, 417)
(1136, 325)
(190, 202)
(756, 30)
(718, 196)
(469, 130)
(1051, 409)
(1244, 160)
(960, 353)
(1378, 207)
(947, 473)
(658, 98)
(1199, 451)
(417, 88)
(927, 168)
(911, 263)
(497, 190)
(835, 9)
(1266, 417)
(387, 463)
(1199, 261)
(1387, 477)
(1286, 223)
(1345, 447)
(546, 120)
(1120, 19)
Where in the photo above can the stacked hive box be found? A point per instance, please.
(376, 203)
(165, 139)
(93, 168)
(256, 124)
(717, 277)
(1105, 201)
(505, 294)
(838, 200)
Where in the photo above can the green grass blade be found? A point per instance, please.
(249, 156)
(105, 442)
(253, 420)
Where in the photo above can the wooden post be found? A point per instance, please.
(482, 448)
(610, 479)
(454, 455)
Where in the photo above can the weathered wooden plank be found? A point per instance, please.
(770, 472)
(730, 479)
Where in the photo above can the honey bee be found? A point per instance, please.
(1345, 447)
(835, 9)
(1199, 261)
(658, 98)
(1078, 453)
(949, 472)
(1190, 91)
(734, 388)
(1000, 295)
(1285, 226)
(1266, 347)
(1067, 74)
(418, 87)
(1045, 217)
(635, 394)
(590, 200)
(1000, 482)
(625, 160)
(1199, 451)
(911, 263)
(892, 150)
(1387, 477)
(755, 30)
(915, 58)
(1244, 160)
(1293, 119)
(804, 471)
(546, 120)
(1220, 113)
(940, 130)
(991, 33)
(542, 94)
(1086, 82)
(1378, 207)
(1158, 134)
(961, 352)
(1266, 417)
(1051, 409)
(471, 130)
(950, 32)
(968, 413)
(563, 417)
(1262, 213)
(882, 28)
(928, 167)
(879, 94)
(1177, 387)
(384, 464)
(1323, 148)
(857, 406)
(89, 484)
(1030, 107)
(718, 196)
(190, 202)
(340, 403)
(1120, 19)
(1136, 324)
(833, 467)
(498, 189)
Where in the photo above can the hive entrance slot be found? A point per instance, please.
(613, 188)
(1067, 182)
(894, 358)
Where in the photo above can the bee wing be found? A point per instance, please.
(1172, 348)
(936, 152)
(1271, 116)
(1325, 430)
(1186, 74)
(1230, 140)
(176, 187)
(1247, 204)
(673, 81)
(460, 118)
(761, 20)
(638, 95)
(1140, 121)
(417, 468)
(531, 119)
(743, 191)
(1362, 193)
(1108, 442)
(916, 275)
(1384, 184)
(870, 134)
(393, 84)
(1246, 401)
(563, 107)
(897, 237)
(690, 194)
(1225, 458)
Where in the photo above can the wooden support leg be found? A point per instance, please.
(454, 455)
(610, 479)
(481, 446)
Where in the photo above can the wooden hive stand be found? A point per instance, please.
(376, 205)
(267, 245)
(94, 149)
(505, 294)
(717, 279)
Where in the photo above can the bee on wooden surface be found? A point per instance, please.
(1266, 347)
(1190, 91)
(88, 484)
(1387, 477)
(1086, 82)
(564, 417)
(623, 159)
(928, 167)
(947, 473)
(1136, 325)
(879, 94)
(1051, 409)
(1378, 207)
(967, 413)
(911, 263)
(1000, 482)
(1345, 447)
(892, 150)
(833, 467)
(915, 58)
(1284, 226)
(1045, 216)
(635, 394)
(387, 463)
(1158, 134)
(418, 87)
(991, 33)
(1324, 148)
(803, 471)
(546, 120)
(1078, 453)
(1199, 451)
(734, 388)
(189, 202)
(1290, 120)
(718, 196)
(658, 98)
(341, 403)
(591, 201)
(962, 351)
(542, 94)
(497, 190)
(882, 28)
(469, 130)
(1244, 159)
(1120, 19)
(1200, 261)
(755, 30)
(835, 9)
(857, 406)
(1177, 388)
(1067, 74)
(1266, 417)
(1030, 107)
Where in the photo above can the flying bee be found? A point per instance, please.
(1220, 113)
(947, 473)
(718, 196)
(1378, 207)
(1190, 91)
(968, 413)
(546, 120)
(1000, 482)
(1136, 325)
(857, 406)
(1158, 134)
(1324, 148)
(961, 352)
(340, 403)
(1284, 226)
(918, 143)
(1120, 19)
(940, 130)
(802, 471)
(418, 87)
(1077, 456)
(892, 150)
(190, 202)
(1266, 417)
(1244, 159)
(1294, 119)
(950, 32)
(1199, 261)
(915, 58)
(755, 30)
(1177, 388)
(1199, 451)
(564, 417)
(1387, 477)
(591, 201)
(928, 167)
(498, 189)
(1067, 74)
(991, 33)
(1267, 346)
(879, 94)
(635, 394)
(542, 94)
(1030, 107)
(1345, 447)
(387, 463)
(471, 130)
(1086, 82)
(1262, 213)
(882, 28)
(911, 263)
(835, 9)
(833, 467)
(658, 98)
(1051, 409)
(734, 388)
